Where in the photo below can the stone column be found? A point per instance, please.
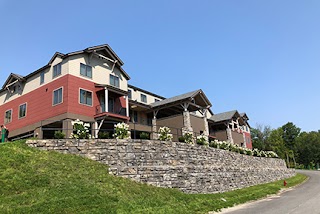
(229, 135)
(67, 127)
(154, 135)
(206, 126)
(186, 122)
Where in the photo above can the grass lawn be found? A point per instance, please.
(34, 181)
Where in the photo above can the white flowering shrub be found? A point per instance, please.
(256, 152)
(121, 131)
(202, 140)
(271, 154)
(248, 151)
(235, 148)
(80, 130)
(165, 134)
(188, 137)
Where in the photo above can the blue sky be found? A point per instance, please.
(259, 57)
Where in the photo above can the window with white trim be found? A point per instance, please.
(57, 96)
(114, 81)
(56, 70)
(22, 110)
(85, 97)
(85, 70)
(8, 116)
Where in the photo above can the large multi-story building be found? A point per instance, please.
(92, 86)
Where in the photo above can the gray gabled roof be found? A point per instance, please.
(58, 54)
(13, 76)
(223, 116)
(180, 98)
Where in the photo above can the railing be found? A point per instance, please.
(120, 111)
(48, 129)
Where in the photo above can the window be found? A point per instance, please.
(156, 100)
(111, 104)
(86, 70)
(57, 96)
(56, 70)
(85, 97)
(114, 80)
(22, 110)
(143, 98)
(42, 77)
(129, 94)
(8, 116)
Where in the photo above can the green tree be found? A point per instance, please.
(276, 142)
(290, 133)
(308, 148)
(259, 136)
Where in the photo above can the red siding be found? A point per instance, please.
(39, 105)
(75, 83)
(247, 135)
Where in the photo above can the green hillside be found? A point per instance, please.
(34, 181)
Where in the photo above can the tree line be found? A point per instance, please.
(299, 149)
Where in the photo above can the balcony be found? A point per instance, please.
(115, 112)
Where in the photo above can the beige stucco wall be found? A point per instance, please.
(136, 96)
(34, 82)
(101, 70)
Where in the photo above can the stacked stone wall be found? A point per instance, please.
(190, 168)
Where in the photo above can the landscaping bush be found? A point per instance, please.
(104, 135)
(144, 135)
(202, 140)
(188, 137)
(121, 131)
(181, 139)
(165, 134)
(59, 135)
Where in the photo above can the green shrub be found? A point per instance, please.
(59, 135)
(144, 135)
(188, 137)
(104, 135)
(181, 139)
(248, 152)
(202, 140)
(213, 144)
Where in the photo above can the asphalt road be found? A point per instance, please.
(304, 199)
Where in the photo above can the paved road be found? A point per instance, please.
(305, 199)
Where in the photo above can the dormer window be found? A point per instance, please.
(42, 77)
(143, 98)
(129, 94)
(114, 81)
(85, 70)
(56, 70)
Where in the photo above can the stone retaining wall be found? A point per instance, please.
(190, 168)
